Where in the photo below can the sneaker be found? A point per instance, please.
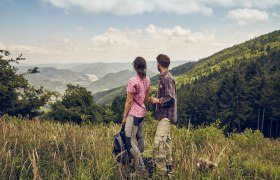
(132, 168)
(170, 171)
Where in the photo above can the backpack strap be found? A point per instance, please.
(122, 128)
(138, 103)
(120, 141)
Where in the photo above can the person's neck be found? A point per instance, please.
(163, 70)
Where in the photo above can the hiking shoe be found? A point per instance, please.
(169, 169)
(132, 168)
(169, 172)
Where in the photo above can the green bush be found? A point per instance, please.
(249, 138)
(207, 134)
(258, 169)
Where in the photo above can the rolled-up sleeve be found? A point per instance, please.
(168, 99)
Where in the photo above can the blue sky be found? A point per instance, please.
(63, 31)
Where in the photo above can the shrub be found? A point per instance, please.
(249, 139)
(208, 134)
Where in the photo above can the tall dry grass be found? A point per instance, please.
(33, 149)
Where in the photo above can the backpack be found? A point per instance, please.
(123, 156)
(119, 150)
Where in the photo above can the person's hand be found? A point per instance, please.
(154, 100)
(123, 120)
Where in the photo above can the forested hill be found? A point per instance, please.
(250, 50)
(238, 87)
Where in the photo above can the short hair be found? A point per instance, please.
(163, 60)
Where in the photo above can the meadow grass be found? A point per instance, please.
(37, 149)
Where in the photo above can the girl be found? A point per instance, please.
(138, 88)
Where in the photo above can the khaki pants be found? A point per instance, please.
(163, 145)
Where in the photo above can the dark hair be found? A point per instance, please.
(163, 60)
(140, 66)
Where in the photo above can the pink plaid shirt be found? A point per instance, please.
(139, 87)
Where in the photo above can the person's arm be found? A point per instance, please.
(128, 104)
(168, 99)
(147, 97)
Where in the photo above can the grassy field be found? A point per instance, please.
(33, 149)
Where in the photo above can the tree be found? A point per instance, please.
(118, 107)
(276, 104)
(17, 97)
(77, 105)
(232, 101)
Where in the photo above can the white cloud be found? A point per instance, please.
(261, 4)
(178, 42)
(151, 37)
(129, 7)
(247, 16)
(112, 37)
(274, 14)
(25, 49)
(121, 45)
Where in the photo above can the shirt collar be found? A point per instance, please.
(163, 74)
(139, 77)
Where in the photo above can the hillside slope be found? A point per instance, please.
(239, 87)
(112, 80)
(250, 50)
(56, 79)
